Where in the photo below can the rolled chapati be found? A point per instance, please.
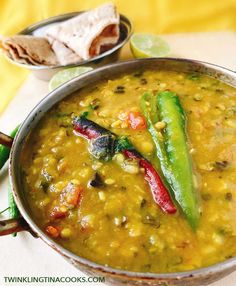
(29, 50)
(89, 33)
(64, 55)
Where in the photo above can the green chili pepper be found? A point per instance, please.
(172, 152)
(151, 117)
(5, 151)
(172, 113)
(4, 155)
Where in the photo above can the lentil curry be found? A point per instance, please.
(103, 209)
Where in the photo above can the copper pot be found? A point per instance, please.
(202, 276)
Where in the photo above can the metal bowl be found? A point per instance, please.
(202, 276)
(110, 56)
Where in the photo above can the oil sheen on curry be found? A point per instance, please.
(138, 172)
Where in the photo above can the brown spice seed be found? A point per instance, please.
(228, 196)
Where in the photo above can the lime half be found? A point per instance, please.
(148, 46)
(65, 75)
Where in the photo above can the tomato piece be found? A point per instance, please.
(74, 196)
(136, 121)
(53, 231)
(71, 195)
(57, 213)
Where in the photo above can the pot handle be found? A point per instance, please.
(13, 225)
(6, 140)
(10, 226)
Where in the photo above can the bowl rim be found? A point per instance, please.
(73, 258)
(124, 21)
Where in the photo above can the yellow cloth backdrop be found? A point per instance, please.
(154, 16)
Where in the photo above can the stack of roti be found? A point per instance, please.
(79, 38)
(29, 50)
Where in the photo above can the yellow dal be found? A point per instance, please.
(118, 235)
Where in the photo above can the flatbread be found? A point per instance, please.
(89, 33)
(29, 50)
(64, 55)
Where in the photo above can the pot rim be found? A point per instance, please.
(215, 268)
